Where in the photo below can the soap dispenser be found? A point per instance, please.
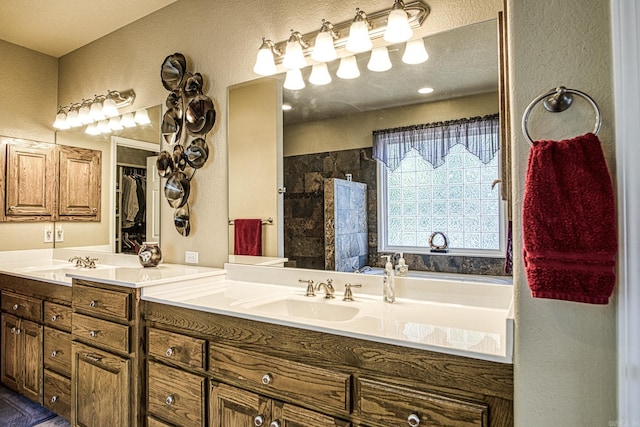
(402, 268)
(388, 285)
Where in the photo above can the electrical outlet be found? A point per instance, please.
(191, 257)
(59, 237)
(48, 233)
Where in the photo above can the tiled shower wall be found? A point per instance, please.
(304, 228)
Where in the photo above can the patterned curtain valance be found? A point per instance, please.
(479, 135)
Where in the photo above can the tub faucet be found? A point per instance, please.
(328, 288)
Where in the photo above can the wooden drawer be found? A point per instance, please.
(152, 422)
(100, 332)
(176, 348)
(57, 351)
(176, 396)
(282, 378)
(57, 316)
(101, 302)
(388, 405)
(57, 394)
(22, 306)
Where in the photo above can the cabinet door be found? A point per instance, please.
(100, 388)
(10, 351)
(232, 406)
(80, 183)
(31, 336)
(287, 415)
(31, 181)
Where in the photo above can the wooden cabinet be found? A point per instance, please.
(57, 358)
(107, 356)
(80, 183)
(232, 406)
(100, 388)
(22, 356)
(49, 182)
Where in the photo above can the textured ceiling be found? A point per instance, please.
(57, 27)
(461, 62)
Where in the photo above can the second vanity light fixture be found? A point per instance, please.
(394, 25)
(102, 110)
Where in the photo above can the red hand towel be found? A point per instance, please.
(247, 237)
(569, 221)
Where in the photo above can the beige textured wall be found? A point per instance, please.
(565, 355)
(340, 133)
(28, 83)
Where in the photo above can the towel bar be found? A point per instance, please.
(556, 101)
(268, 221)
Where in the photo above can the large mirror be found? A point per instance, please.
(279, 161)
(129, 188)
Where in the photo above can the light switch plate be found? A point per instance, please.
(48, 233)
(59, 233)
(191, 257)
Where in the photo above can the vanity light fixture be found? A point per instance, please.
(115, 124)
(320, 74)
(109, 107)
(379, 60)
(128, 121)
(348, 68)
(398, 28)
(61, 120)
(265, 63)
(293, 80)
(92, 129)
(294, 56)
(83, 112)
(415, 52)
(142, 117)
(324, 50)
(93, 110)
(359, 39)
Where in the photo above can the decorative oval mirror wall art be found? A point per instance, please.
(189, 117)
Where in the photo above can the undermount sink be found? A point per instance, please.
(302, 307)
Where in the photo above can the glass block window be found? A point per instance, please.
(455, 198)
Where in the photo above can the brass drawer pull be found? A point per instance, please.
(15, 307)
(93, 334)
(93, 303)
(54, 399)
(169, 400)
(413, 420)
(275, 424)
(169, 352)
(15, 331)
(266, 379)
(54, 317)
(258, 420)
(93, 357)
(54, 353)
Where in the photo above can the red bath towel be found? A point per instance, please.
(247, 237)
(569, 221)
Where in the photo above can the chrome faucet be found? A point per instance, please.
(85, 262)
(348, 295)
(328, 288)
(310, 292)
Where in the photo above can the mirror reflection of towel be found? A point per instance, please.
(247, 237)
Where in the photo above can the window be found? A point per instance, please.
(454, 197)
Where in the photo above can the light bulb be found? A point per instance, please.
(293, 80)
(359, 40)
(348, 68)
(142, 117)
(398, 28)
(265, 63)
(320, 74)
(415, 52)
(379, 60)
(324, 50)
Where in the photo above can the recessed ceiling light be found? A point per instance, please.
(286, 107)
(425, 90)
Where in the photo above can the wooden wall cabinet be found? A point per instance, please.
(21, 348)
(47, 182)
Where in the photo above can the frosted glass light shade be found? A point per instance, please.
(324, 50)
(115, 124)
(83, 115)
(109, 108)
(293, 80)
(379, 60)
(348, 68)
(415, 52)
(265, 64)
(359, 40)
(61, 121)
(320, 74)
(103, 126)
(92, 129)
(72, 119)
(398, 28)
(128, 121)
(142, 117)
(294, 57)
(95, 112)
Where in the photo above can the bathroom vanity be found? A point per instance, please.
(189, 346)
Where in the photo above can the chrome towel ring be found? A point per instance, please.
(556, 101)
